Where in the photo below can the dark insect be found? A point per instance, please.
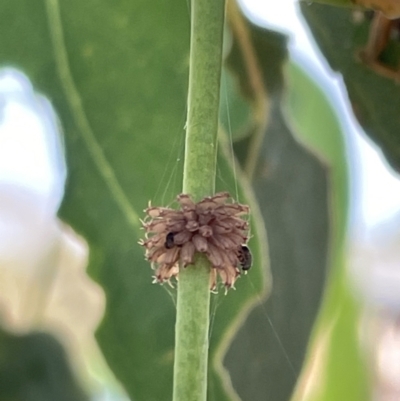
(245, 258)
(169, 241)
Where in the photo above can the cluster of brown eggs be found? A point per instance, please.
(214, 226)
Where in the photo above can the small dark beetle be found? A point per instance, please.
(245, 258)
(169, 241)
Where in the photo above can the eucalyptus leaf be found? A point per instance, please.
(391, 8)
(342, 35)
(291, 185)
(34, 367)
(117, 75)
(342, 371)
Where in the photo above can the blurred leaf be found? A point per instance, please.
(391, 8)
(341, 368)
(228, 312)
(341, 35)
(34, 367)
(235, 112)
(269, 62)
(118, 80)
(246, 87)
(345, 3)
(317, 125)
(43, 280)
(291, 186)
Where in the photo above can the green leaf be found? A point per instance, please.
(235, 111)
(228, 312)
(291, 185)
(344, 3)
(374, 98)
(391, 8)
(343, 374)
(292, 189)
(34, 367)
(117, 75)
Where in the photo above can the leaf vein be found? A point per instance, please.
(73, 98)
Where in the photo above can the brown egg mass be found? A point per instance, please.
(214, 226)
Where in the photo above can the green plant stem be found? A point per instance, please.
(193, 303)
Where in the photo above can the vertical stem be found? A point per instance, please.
(192, 322)
(203, 100)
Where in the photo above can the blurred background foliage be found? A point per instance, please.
(118, 81)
